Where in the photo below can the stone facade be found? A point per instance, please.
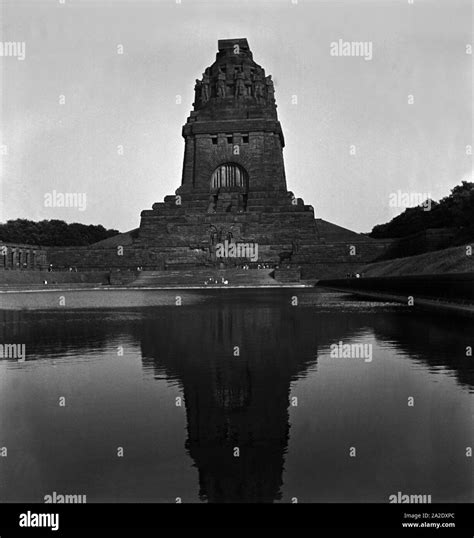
(233, 183)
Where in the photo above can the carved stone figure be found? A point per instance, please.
(205, 94)
(240, 88)
(270, 88)
(258, 88)
(220, 85)
(197, 92)
(211, 208)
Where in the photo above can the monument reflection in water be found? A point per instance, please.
(269, 415)
(235, 366)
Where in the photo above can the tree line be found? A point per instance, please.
(453, 211)
(53, 233)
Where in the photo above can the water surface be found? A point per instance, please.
(267, 413)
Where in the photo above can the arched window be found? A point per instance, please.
(229, 175)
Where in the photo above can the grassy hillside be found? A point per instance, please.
(449, 260)
(124, 239)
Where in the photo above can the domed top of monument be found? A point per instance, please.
(234, 86)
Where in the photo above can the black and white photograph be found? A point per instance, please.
(236, 266)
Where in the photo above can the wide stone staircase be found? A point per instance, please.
(211, 277)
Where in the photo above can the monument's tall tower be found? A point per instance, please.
(233, 137)
(233, 183)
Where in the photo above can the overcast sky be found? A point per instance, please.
(130, 100)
